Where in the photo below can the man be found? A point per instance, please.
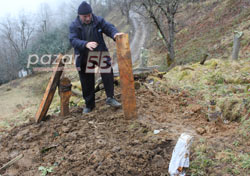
(86, 35)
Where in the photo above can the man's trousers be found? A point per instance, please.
(88, 86)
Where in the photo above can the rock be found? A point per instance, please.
(116, 149)
(200, 131)
(195, 108)
(158, 161)
(68, 121)
(19, 106)
(214, 130)
(96, 157)
(101, 142)
(22, 134)
(42, 131)
(71, 136)
(65, 129)
(137, 85)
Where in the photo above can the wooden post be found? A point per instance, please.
(50, 91)
(126, 76)
(65, 94)
(236, 45)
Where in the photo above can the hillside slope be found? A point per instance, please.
(206, 28)
(103, 143)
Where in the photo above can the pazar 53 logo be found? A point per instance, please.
(47, 60)
(99, 61)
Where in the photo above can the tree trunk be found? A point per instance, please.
(171, 35)
(158, 26)
(128, 19)
(110, 5)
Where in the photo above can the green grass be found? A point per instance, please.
(244, 129)
(201, 159)
(206, 160)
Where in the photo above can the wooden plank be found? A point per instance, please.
(126, 76)
(65, 96)
(50, 91)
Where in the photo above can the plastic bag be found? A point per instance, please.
(180, 156)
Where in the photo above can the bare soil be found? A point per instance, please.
(104, 143)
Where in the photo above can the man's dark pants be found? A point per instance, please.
(88, 86)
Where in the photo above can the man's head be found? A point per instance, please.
(85, 12)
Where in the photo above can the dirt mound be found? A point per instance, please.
(103, 143)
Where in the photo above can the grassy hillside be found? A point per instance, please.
(20, 98)
(206, 27)
(209, 28)
(226, 82)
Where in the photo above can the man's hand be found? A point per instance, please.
(91, 45)
(117, 34)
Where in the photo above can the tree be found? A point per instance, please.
(99, 7)
(159, 11)
(9, 63)
(18, 33)
(125, 7)
(16, 36)
(45, 17)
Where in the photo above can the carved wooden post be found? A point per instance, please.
(65, 94)
(126, 76)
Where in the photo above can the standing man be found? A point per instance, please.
(86, 35)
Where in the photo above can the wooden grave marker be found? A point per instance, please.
(50, 91)
(126, 76)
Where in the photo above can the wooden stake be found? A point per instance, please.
(65, 94)
(50, 91)
(151, 90)
(126, 76)
(11, 162)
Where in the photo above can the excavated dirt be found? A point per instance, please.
(104, 143)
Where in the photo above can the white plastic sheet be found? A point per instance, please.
(180, 156)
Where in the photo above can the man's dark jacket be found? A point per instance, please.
(78, 39)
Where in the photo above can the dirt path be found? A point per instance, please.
(140, 34)
(103, 143)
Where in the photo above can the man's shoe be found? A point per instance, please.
(112, 102)
(87, 110)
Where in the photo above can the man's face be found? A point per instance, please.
(86, 19)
